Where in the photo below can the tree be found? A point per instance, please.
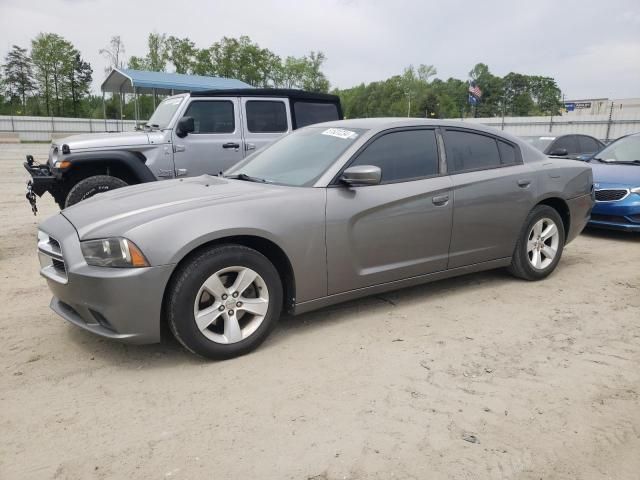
(490, 104)
(52, 57)
(156, 57)
(425, 72)
(114, 53)
(18, 75)
(182, 53)
(79, 77)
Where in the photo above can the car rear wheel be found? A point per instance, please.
(224, 302)
(91, 186)
(540, 245)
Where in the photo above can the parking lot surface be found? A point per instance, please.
(478, 377)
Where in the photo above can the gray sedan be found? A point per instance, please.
(329, 213)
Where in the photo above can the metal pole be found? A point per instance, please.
(13, 127)
(121, 115)
(609, 122)
(104, 112)
(135, 105)
(154, 99)
(551, 123)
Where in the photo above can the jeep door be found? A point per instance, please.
(493, 191)
(264, 120)
(216, 143)
(397, 229)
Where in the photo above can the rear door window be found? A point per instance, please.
(588, 144)
(569, 142)
(266, 116)
(308, 113)
(508, 153)
(468, 151)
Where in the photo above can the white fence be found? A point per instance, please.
(602, 126)
(43, 129)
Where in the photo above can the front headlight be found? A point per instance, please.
(635, 190)
(113, 252)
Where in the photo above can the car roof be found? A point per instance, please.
(269, 92)
(384, 123)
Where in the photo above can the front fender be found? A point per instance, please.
(121, 158)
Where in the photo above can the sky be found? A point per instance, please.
(591, 48)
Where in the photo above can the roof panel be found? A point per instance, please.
(127, 79)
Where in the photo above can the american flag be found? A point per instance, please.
(475, 90)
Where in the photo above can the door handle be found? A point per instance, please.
(249, 146)
(231, 145)
(524, 183)
(440, 200)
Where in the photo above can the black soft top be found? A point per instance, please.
(293, 94)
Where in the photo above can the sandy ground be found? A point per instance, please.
(543, 375)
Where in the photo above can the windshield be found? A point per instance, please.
(625, 150)
(164, 113)
(300, 158)
(539, 143)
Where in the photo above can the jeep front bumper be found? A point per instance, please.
(42, 180)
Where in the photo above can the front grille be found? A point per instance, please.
(611, 195)
(59, 266)
(52, 263)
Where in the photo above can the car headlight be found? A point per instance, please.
(113, 252)
(635, 190)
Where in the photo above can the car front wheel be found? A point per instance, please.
(224, 302)
(540, 244)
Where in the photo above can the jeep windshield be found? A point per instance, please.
(297, 159)
(164, 113)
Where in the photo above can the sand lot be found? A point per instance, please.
(544, 376)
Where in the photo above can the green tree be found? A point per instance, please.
(181, 52)
(52, 57)
(490, 104)
(79, 77)
(18, 75)
(157, 55)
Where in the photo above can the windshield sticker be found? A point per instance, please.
(340, 133)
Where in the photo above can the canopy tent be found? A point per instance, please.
(126, 80)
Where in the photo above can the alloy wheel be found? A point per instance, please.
(542, 243)
(231, 304)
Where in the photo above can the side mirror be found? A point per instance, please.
(362, 175)
(185, 126)
(559, 152)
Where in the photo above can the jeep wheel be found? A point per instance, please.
(91, 186)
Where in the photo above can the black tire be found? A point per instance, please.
(185, 285)
(521, 265)
(91, 186)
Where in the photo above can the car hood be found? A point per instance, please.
(615, 175)
(86, 141)
(114, 213)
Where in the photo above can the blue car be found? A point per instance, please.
(616, 178)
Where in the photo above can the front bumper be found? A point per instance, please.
(118, 303)
(618, 215)
(42, 180)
